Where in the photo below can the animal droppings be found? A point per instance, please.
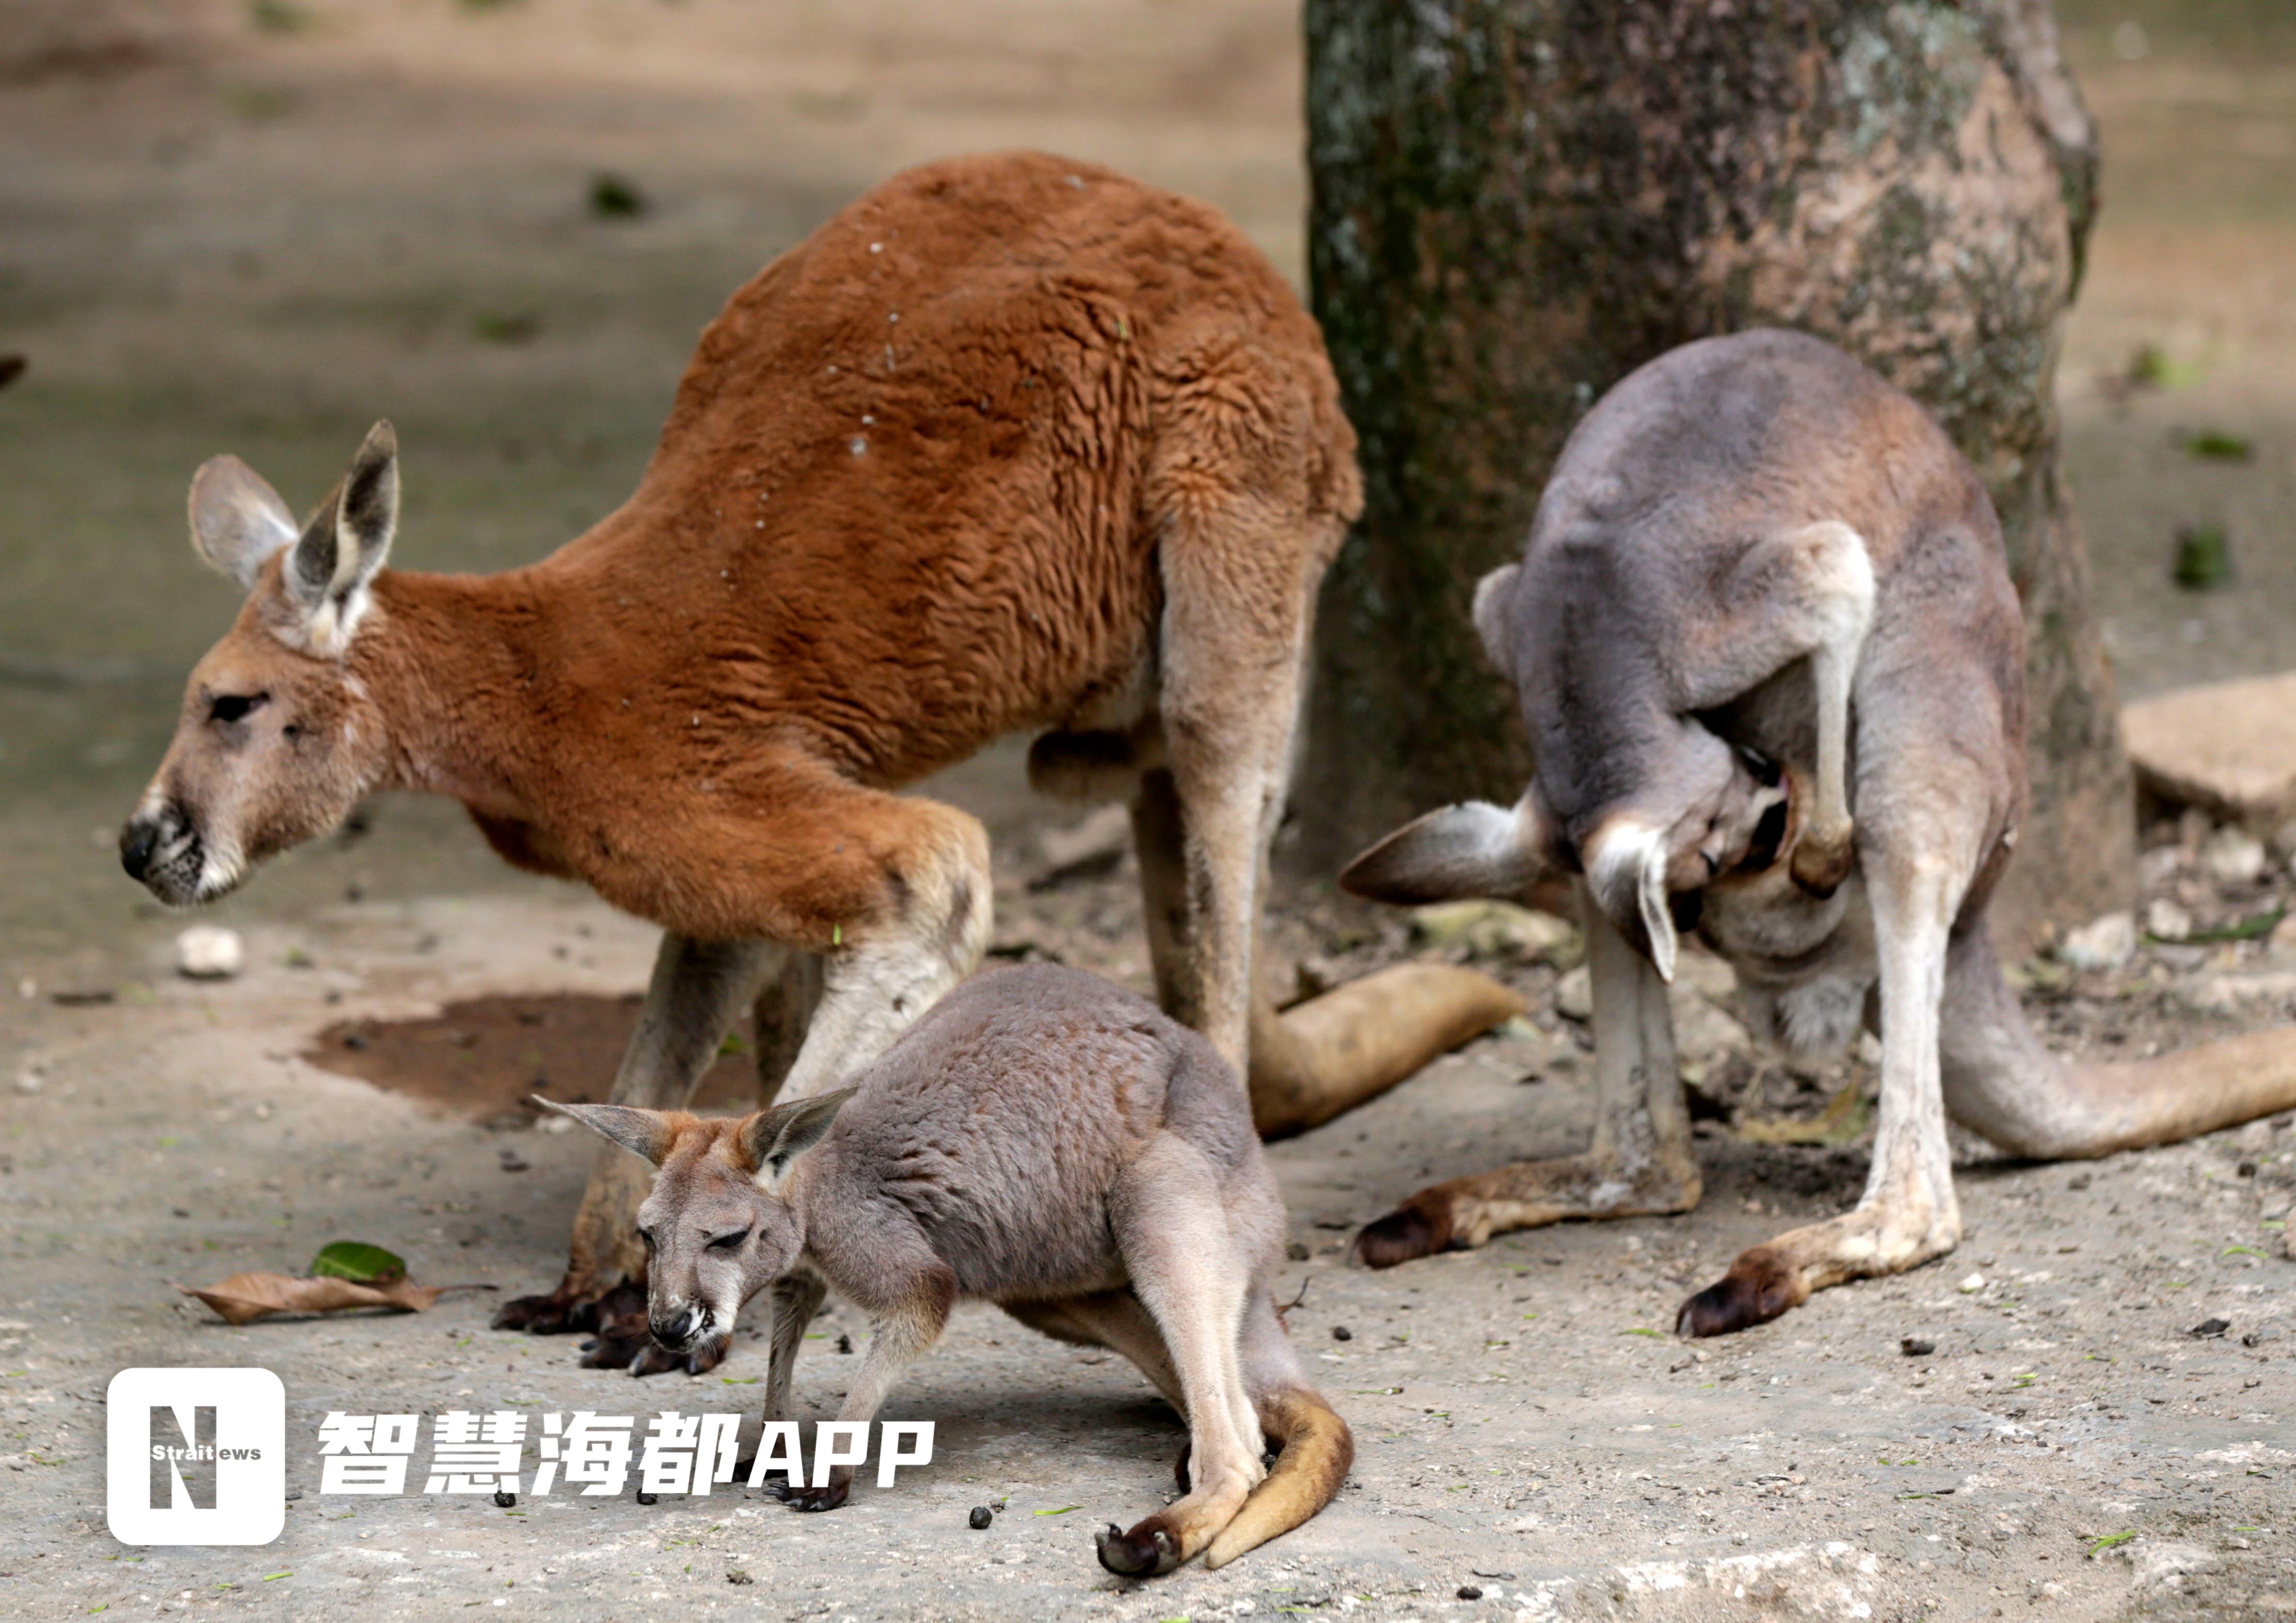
(981, 1518)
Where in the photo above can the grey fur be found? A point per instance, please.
(1038, 1139)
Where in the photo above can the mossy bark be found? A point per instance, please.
(1518, 201)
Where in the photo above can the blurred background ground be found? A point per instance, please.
(256, 225)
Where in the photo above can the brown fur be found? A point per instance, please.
(1010, 443)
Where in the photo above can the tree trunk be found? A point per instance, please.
(1518, 201)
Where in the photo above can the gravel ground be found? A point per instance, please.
(1527, 1427)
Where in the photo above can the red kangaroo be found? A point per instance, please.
(1010, 443)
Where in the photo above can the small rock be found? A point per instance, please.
(980, 1519)
(2103, 944)
(2167, 920)
(1297, 1251)
(1704, 1034)
(1971, 1284)
(504, 1498)
(1574, 995)
(209, 952)
(2207, 1329)
(1341, 1333)
(1103, 837)
(845, 1343)
(2233, 855)
(1498, 929)
(555, 1124)
(30, 1080)
(2255, 1137)
(2223, 746)
(2229, 994)
(1917, 1347)
(649, 1498)
(738, 1577)
(1470, 1592)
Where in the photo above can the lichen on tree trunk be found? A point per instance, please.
(1515, 202)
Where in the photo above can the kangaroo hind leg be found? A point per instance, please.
(1641, 1161)
(1173, 1233)
(1316, 1447)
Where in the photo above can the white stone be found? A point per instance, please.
(1104, 833)
(2169, 920)
(1498, 929)
(209, 952)
(1574, 995)
(2103, 944)
(2235, 856)
(1971, 1284)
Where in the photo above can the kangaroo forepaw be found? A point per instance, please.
(814, 1498)
(1822, 859)
(1406, 1232)
(1758, 1287)
(568, 1310)
(1147, 1549)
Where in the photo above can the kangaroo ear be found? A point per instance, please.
(1494, 594)
(1626, 869)
(773, 1139)
(646, 1133)
(237, 519)
(1472, 849)
(345, 542)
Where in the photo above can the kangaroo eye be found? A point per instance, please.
(235, 706)
(727, 1242)
(646, 1235)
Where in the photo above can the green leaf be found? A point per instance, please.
(2240, 1251)
(273, 1576)
(1638, 1333)
(2111, 1541)
(2215, 445)
(733, 1046)
(1063, 1510)
(363, 1265)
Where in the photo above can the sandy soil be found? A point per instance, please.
(220, 235)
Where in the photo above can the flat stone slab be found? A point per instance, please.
(2229, 748)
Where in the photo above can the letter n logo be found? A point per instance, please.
(183, 1465)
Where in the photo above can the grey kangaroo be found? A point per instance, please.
(1044, 1141)
(1763, 592)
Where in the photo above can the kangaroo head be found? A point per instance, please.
(719, 1224)
(278, 738)
(1702, 810)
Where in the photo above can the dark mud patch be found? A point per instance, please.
(484, 1059)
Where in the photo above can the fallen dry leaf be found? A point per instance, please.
(246, 1297)
(1842, 1119)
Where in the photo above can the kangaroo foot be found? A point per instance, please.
(573, 1309)
(1466, 1212)
(1765, 1280)
(1149, 1548)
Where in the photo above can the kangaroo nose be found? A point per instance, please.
(137, 841)
(677, 1332)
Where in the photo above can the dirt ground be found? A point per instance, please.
(257, 227)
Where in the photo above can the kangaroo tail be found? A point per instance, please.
(1317, 1449)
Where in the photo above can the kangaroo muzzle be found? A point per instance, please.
(161, 850)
